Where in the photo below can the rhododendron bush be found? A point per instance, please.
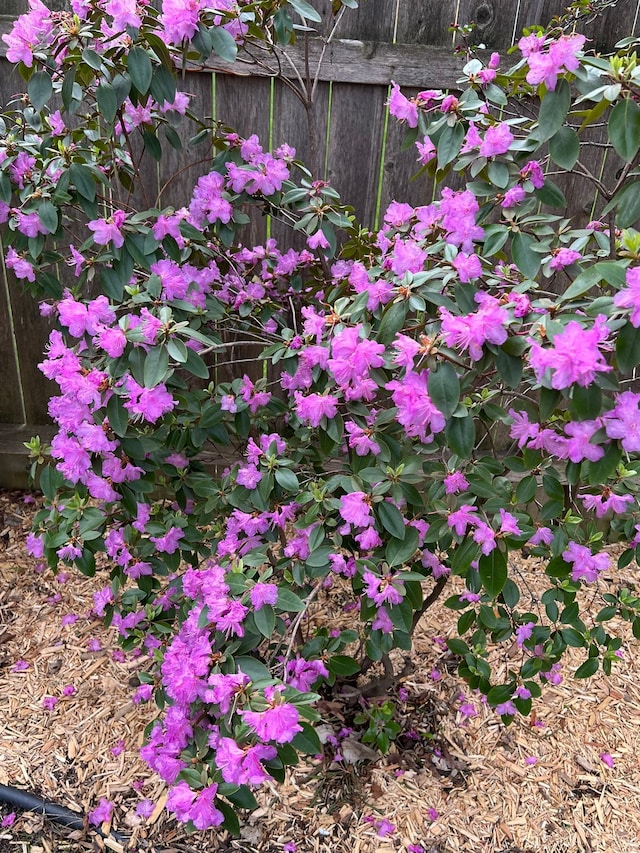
(436, 397)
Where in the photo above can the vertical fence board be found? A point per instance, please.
(178, 171)
(244, 104)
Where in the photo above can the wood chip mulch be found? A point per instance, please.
(451, 782)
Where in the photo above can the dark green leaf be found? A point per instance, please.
(391, 519)
(444, 388)
(140, 68)
(587, 669)
(400, 551)
(307, 741)
(48, 216)
(286, 478)
(343, 666)
(265, 620)
(492, 569)
(117, 415)
(223, 43)
(586, 402)
(450, 143)
(628, 348)
(509, 367)
(551, 195)
(305, 10)
(461, 434)
(527, 261)
(156, 366)
(163, 85)
(553, 111)
(564, 147)
(392, 321)
(289, 601)
(107, 102)
(39, 89)
(624, 128)
(82, 178)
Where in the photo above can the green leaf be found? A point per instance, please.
(628, 348)
(498, 174)
(253, 668)
(509, 367)
(117, 416)
(400, 551)
(527, 261)
(156, 366)
(92, 59)
(343, 666)
(48, 216)
(163, 85)
(39, 89)
(231, 822)
(392, 321)
(461, 434)
(449, 144)
(624, 128)
(140, 68)
(444, 388)
(82, 178)
(223, 43)
(67, 90)
(307, 741)
(289, 601)
(526, 489)
(265, 620)
(564, 147)
(242, 798)
(196, 365)
(627, 205)
(587, 669)
(107, 102)
(551, 195)
(392, 519)
(492, 569)
(5, 188)
(611, 272)
(305, 10)
(553, 111)
(586, 402)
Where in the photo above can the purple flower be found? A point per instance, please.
(8, 820)
(145, 808)
(313, 407)
(142, 694)
(68, 690)
(108, 230)
(278, 723)
(20, 666)
(563, 258)
(355, 509)
(575, 356)
(472, 331)
(507, 709)
(629, 296)
(524, 633)
(263, 593)
(586, 566)
(416, 410)
(102, 812)
(49, 703)
(607, 759)
(170, 541)
(401, 107)
(384, 827)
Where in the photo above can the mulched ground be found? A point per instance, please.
(451, 783)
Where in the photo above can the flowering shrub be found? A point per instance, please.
(430, 404)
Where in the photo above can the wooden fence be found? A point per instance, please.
(347, 141)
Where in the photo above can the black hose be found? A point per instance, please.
(59, 814)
